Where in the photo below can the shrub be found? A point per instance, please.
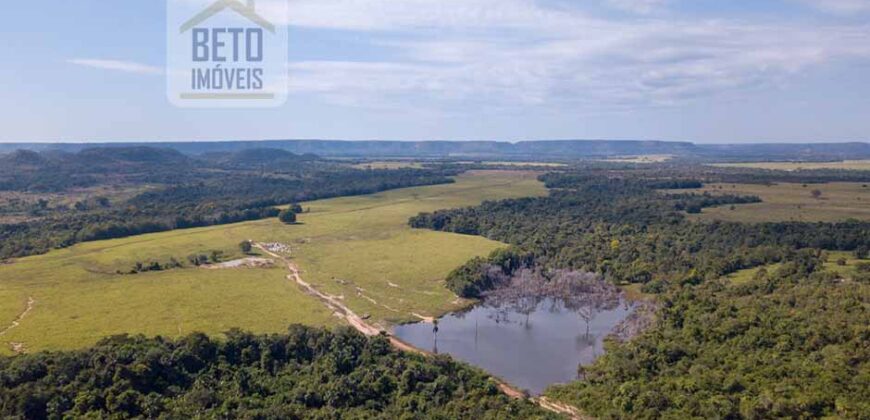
(287, 216)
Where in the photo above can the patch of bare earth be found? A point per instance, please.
(252, 262)
(333, 302)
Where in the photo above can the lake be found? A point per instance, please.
(530, 355)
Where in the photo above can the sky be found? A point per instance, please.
(707, 71)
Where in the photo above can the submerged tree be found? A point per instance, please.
(521, 293)
(586, 294)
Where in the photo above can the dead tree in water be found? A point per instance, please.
(522, 294)
(586, 294)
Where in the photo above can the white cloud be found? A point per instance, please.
(839, 6)
(515, 53)
(520, 54)
(406, 14)
(117, 65)
(638, 6)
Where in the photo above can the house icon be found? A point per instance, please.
(247, 11)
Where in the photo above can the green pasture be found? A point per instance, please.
(791, 202)
(359, 248)
(832, 264)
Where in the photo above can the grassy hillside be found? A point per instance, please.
(357, 247)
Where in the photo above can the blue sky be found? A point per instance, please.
(697, 70)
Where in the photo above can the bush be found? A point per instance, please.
(471, 279)
(287, 216)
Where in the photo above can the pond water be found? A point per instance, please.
(533, 354)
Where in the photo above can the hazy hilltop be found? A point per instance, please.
(540, 149)
(55, 170)
(252, 158)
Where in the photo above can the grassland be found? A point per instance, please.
(850, 263)
(857, 165)
(791, 202)
(847, 270)
(521, 164)
(388, 165)
(359, 248)
(747, 275)
(640, 159)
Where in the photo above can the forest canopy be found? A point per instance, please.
(306, 373)
(628, 230)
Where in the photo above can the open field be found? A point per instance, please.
(523, 164)
(388, 165)
(640, 159)
(847, 270)
(857, 165)
(747, 275)
(359, 248)
(791, 202)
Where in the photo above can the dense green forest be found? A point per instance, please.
(305, 374)
(792, 343)
(628, 230)
(184, 192)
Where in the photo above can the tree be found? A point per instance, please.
(287, 216)
(245, 247)
(816, 194)
(198, 260)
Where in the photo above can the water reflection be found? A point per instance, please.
(530, 348)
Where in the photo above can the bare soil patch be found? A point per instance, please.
(252, 262)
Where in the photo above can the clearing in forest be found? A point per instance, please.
(791, 202)
(856, 165)
(359, 249)
(843, 263)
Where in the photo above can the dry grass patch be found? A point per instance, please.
(791, 202)
(855, 165)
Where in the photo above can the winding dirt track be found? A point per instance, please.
(19, 347)
(370, 330)
(31, 302)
